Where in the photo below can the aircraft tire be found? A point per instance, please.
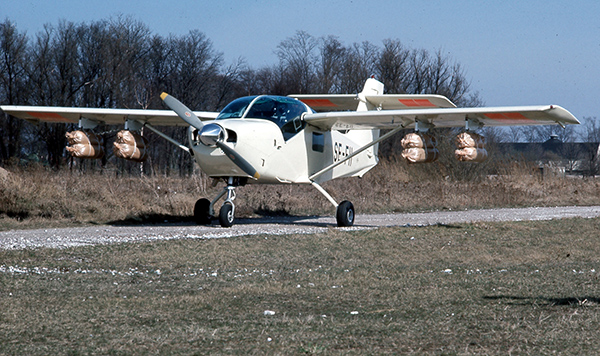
(226, 217)
(201, 212)
(345, 214)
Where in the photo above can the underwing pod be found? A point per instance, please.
(471, 154)
(469, 139)
(415, 140)
(470, 147)
(130, 146)
(85, 144)
(420, 155)
(419, 148)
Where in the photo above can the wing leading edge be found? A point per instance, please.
(36, 114)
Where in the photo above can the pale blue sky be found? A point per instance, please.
(514, 52)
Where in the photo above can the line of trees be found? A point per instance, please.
(120, 63)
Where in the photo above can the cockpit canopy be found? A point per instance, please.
(283, 111)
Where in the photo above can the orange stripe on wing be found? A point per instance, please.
(318, 102)
(495, 116)
(509, 117)
(416, 102)
(48, 116)
(515, 115)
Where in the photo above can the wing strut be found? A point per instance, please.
(360, 150)
(173, 141)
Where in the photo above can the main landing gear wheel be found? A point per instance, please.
(226, 217)
(345, 214)
(202, 212)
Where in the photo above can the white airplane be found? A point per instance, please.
(300, 139)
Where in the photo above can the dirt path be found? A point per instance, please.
(67, 237)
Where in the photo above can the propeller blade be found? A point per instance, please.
(182, 111)
(238, 160)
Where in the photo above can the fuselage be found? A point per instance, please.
(269, 133)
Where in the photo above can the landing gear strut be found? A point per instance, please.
(204, 209)
(344, 211)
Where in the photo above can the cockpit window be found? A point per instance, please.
(283, 111)
(236, 108)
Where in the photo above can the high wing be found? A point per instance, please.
(35, 114)
(345, 102)
(442, 117)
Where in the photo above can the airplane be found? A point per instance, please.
(296, 139)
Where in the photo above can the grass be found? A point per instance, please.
(36, 197)
(527, 288)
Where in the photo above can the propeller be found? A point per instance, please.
(182, 111)
(210, 134)
(238, 160)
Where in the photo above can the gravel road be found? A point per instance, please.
(67, 237)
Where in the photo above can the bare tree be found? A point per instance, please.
(126, 47)
(392, 67)
(297, 59)
(59, 69)
(515, 134)
(359, 64)
(591, 135)
(13, 90)
(225, 85)
(194, 65)
(93, 48)
(419, 70)
(332, 54)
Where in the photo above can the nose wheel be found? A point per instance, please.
(204, 210)
(226, 216)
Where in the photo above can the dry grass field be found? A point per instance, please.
(527, 288)
(38, 197)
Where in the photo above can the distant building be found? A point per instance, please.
(556, 157)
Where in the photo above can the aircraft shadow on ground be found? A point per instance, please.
(544, 301)
(264, 219)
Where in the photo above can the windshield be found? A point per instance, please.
(284, 111)
(279, 109)
(236, 108)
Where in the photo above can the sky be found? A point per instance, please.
(523, 52)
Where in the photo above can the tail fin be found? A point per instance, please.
(363, 137)
(372, 87)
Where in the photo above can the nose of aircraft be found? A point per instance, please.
(211, 134)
